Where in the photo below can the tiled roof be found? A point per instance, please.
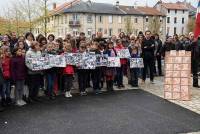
(63, 6)
(92, 7)
(130, 10)
(174, 6)
(149, 11)
(188, 5)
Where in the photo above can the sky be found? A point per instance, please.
(6, 3)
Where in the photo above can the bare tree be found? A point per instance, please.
(191, 25)
(128, 25)
(154, 24)
(7, 20)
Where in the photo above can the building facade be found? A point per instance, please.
(177, 15)
(90, 17)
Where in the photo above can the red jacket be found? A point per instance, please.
(6, 66)
(117, 48)
(69, 69)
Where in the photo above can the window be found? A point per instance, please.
(183, 20)
(110, 19)
(136, 20)
(183, 11)
(174, 30)
(74, 17)
(110, 32)
(168, 28)
(168, 11)
(65, 31)
(61, 19)
(65, 19)
(48, 20)
(58, 32)
(182, 30)
(100, 30)
(161, 19)
(168, 19)
(57, 18)
(136, 32)
(120, 19)
(89, 31)
(75, 32)
(89, 18)
(161, 29)
(105, 31)
(62, 32)
(147, 19)
(175, 11)
(175, 20)
(100, 19)
(119, 30)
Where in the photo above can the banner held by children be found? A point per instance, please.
(136, 63)
(73, 59)
(101, 60)
(57, 60)
(113, 62)
(123, 53)
(89, 61)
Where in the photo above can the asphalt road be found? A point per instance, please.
(122, 112)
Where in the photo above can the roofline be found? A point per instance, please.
(125, 14)
(173, 8)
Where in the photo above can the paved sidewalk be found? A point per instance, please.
(157, 89)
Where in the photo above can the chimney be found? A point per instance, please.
(185, 2)
(117, 4)
(54, 5)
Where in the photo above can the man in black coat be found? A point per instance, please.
(168, 46)
(148, 48)
(158, 47)
(195, 49)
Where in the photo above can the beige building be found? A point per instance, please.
(90, 17)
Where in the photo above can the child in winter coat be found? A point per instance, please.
(68, 72)
(110, 71)
(34, 77)
(96, 73)
(6, 68)
(50, 73)
(19, 72)
(134, 71)
(120, 70)
(82, 73)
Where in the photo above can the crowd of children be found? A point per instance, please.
(15, 70)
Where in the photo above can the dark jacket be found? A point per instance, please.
(148, 47)
(178, 45)
(158, 47)
(195, 49)
(168, 46)
(108, 52)
(18, 68)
